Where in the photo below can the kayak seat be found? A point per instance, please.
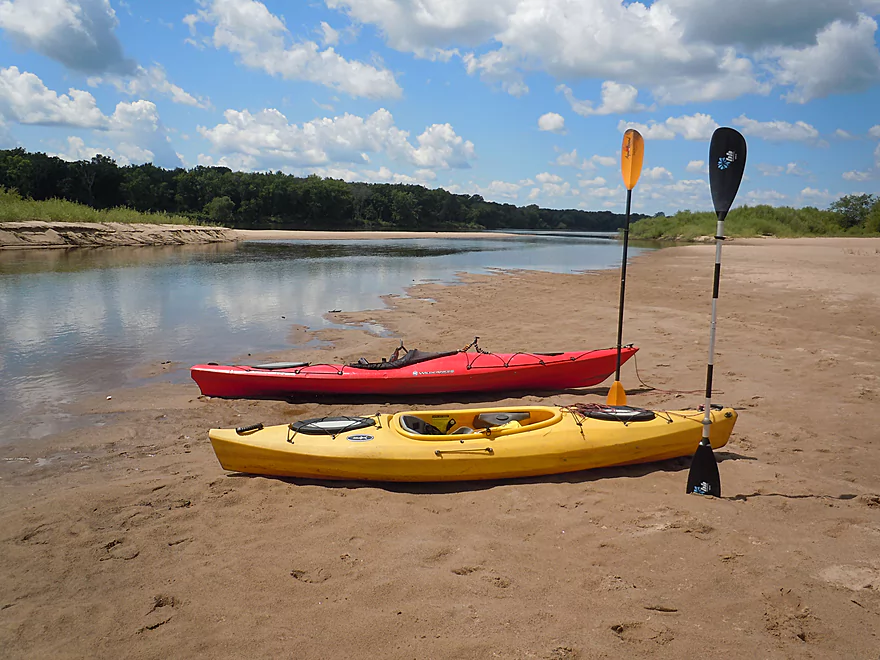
(488, 420)
(418, 426)
(412, 357)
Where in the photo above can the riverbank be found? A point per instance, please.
(127, 538)
(43, 234)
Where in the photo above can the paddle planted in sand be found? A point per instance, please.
(631, 156)
(727, 162)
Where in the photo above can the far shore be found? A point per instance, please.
(298, 235)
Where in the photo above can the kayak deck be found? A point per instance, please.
(454, 372)
(466, 444)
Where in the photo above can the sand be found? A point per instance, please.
(127, 539)
(43, 234)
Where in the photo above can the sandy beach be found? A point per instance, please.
(125, 538)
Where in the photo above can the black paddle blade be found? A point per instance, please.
(703, 479)
(727, 162)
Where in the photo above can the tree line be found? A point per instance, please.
(851, 215)
(274, 200)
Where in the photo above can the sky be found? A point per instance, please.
(520, 101)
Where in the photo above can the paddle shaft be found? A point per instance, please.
(623, 283)
(719, 239)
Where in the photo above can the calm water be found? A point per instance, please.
(79, 322)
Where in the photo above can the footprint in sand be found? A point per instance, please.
(499, 581)
(161, 612)
(636, 632)
(310, 577)
(786, 617)
(119, 549)
(466, 570)
(39, 535)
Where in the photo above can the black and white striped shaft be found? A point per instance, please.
(719, 240)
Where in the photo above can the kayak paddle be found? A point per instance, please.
(631, 155)
(727, 162)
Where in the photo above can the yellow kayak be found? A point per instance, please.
(467, 444)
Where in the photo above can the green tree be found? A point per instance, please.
(853, 209)
(220, 210)
(872, 222)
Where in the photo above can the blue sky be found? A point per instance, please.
(521, 101)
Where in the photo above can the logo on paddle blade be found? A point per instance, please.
(727, 160)
(627, 146)
(704, 488)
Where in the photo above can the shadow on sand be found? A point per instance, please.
(444, 487)
(462, 398)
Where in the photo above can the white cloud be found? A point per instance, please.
(500, 190)
(330, 37)
(153, 79)
(770, 170)
(616, 99)
(134, 129)
(735, 77)
(877, 156)
(682, 51)
(690, 127)
(813, 193)
(78, 33)
(270, 141)
(551, 121)
(791, 169)
(26, 100)
(6, 139)
(858, 176)
(558, 189)
(123, 154)
(604, 161)
(546, 177)
(385, 175)
(248, 29)
(764, 197)
(755, 24)
(656, 174)
(874, 131)
(844, 59)
(568, 40)
(696, 166)
(688, 185)
(777, 131)
(571, 159)
(842, 134)
(597, 181)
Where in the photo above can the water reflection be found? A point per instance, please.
(77, 322)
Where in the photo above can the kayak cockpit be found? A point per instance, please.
(439, 424)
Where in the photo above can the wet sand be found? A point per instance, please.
(128, 539)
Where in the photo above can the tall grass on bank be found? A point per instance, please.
(14, 208)
(748, 222)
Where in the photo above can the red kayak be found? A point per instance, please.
(417, 372)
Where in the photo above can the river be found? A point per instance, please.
(79, 321)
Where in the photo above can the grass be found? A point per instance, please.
(747, 222)
(14, 208)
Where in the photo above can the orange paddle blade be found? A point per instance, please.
(631, 155)
(616, 395)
